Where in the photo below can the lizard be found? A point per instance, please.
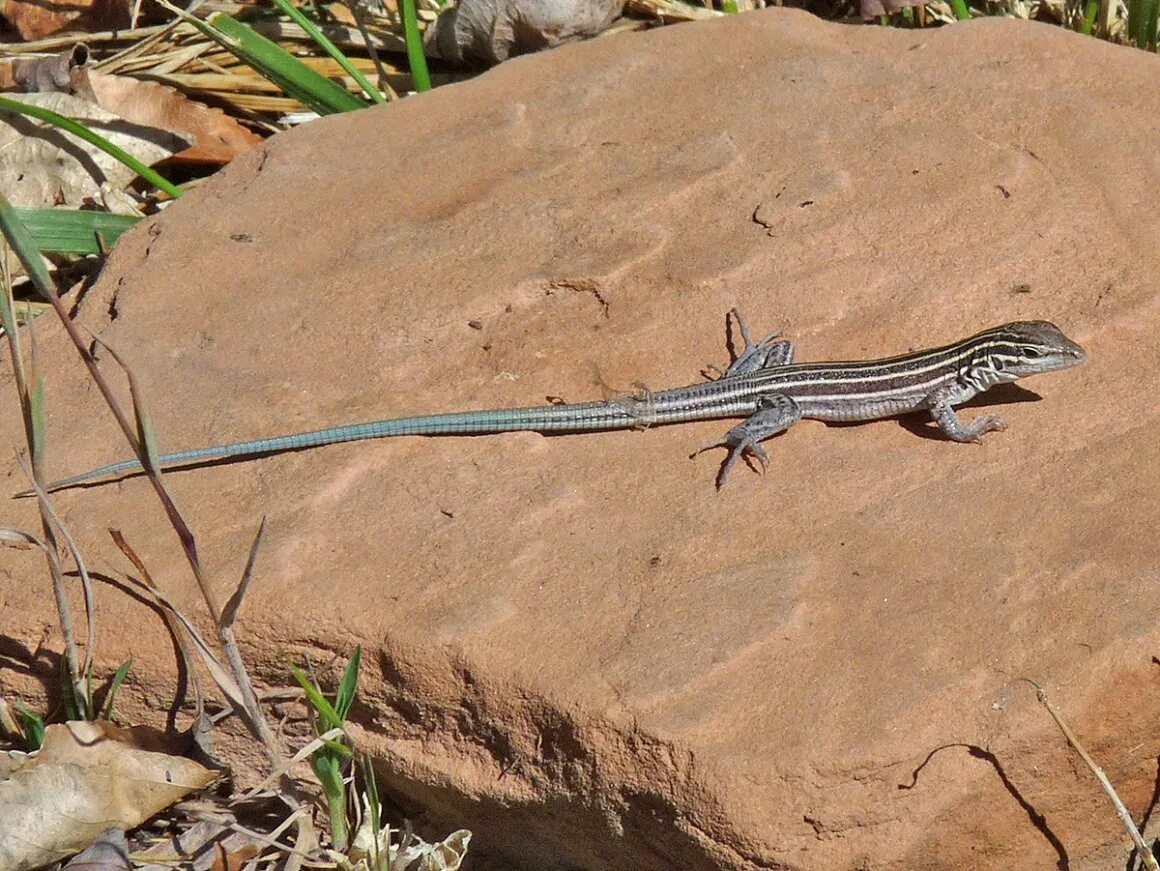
(763, 384)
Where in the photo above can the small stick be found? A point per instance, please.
(1122, 812)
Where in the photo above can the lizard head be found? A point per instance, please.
(1024, 348)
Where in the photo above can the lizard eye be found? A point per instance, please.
(1032, 353)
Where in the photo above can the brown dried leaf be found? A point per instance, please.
(233, 860)
(35, 19)
(210, 843)
(495, 30)
(217, 138)
(873, 8)
(109, 852)
(42, 74)
(43, 166)
(86, 778)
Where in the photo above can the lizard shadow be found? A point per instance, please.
(921, 425)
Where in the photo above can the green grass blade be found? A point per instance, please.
(348, 688)
(32, 724)
(1150, 14)
(25, 248)
(72, 698)
(1090, 11)
(336, 750)
(7, 311)
(330, 718)
(82, 132)
(90, 707)
(276, 64)
(329, 773)
(114, 685)
(959, 7)
(36, 418)
(414, 42)
(1142, 21)
(295, 15)
(68, 231)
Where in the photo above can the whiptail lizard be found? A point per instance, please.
(763, 385)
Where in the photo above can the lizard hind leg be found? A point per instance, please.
(775, 413)
(640, 406)
(765, 354)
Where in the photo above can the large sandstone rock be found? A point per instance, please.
(575, 646)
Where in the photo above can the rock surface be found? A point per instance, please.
(573, 645)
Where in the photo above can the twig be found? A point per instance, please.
(78, 558)
(27, 401)
(360, 21)
(1122, 812)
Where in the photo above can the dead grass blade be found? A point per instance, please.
(1142, 848)
(82, 569)
(219, 672)
(32, 408)
(235, 601)
(299, 757)
(241, 689)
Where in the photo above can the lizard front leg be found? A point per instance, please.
(775, 413)
(948, 421)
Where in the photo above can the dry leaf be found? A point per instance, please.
(495, 30)
(203, 846)
(35, 19)
(43, 166)
(447, 855)
(109, 852)
(217, 138)
(233, 860)
(42, 74)
(86, 778)
(373, 849)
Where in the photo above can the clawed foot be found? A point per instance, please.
(775, 413)
(746, 448)
(984, 424)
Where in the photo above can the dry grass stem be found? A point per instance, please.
(25, 397)
(78, 558)
(1142, 848)
(299, 757)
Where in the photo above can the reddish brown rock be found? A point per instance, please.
(575, 646)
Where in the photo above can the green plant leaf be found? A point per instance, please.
(32, 724)
(1142, 22)
(329, 773)
(72, 695)
(114, 685)
(36, 417)
(69, 231)
(276, 64)
(329, 716)
(25, 248)
(414, 42)
(295, 15)
(1090, 11)
(348, 687)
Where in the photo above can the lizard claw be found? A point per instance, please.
(985, 424)
(738, 449)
